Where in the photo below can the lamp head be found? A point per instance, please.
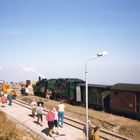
(103, 53)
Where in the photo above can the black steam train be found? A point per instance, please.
(120, 98)
(62, 88)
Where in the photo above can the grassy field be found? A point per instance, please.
(9, 130)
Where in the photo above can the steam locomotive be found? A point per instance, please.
(120, 98)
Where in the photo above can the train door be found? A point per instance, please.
(106, 101)
(83, 94)
(78, 94)
(68, 89)
(138, 102)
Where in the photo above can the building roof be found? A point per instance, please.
(126, 87)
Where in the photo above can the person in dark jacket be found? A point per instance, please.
(10, 98)
(23, 92)
(40, 102)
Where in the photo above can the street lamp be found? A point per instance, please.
(104, 53)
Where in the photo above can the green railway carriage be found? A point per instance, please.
(97, 95)
(69, 89)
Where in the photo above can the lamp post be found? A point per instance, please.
(104, 53)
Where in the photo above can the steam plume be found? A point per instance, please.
(31, 70)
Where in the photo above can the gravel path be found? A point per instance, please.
(22, 115)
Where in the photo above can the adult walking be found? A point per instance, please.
(39, 111)
(26, 90)
(33, 105)
(50, 116)
(23, 92)
(55, 121)
(61, 108)
(10, 98)
(3, 100)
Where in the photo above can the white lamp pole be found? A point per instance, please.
(104, 53)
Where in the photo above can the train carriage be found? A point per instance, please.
(96, 95)
(125, 99)
(119, 98)
(70, 89)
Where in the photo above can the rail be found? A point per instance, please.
(105, 135)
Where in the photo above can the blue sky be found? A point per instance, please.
(56, 37)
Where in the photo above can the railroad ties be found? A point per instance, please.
(72, 129)
(20, 112)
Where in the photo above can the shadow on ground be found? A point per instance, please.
(46, 131)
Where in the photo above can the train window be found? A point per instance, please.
(72, 84)
(116, 93)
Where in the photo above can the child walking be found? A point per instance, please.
(50, 119)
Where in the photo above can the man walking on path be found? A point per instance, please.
(39, 111)
(33, 105)
(10, 98)
(61, 108)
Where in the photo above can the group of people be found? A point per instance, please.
(93, 134)
(24, 90)
(5, 97)
(53, 117)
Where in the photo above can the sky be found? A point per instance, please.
(55, 38)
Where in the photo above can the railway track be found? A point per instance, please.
(105, 135)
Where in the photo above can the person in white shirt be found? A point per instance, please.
(33, 105)
(61, 109)
(39, 111)
(26, 90)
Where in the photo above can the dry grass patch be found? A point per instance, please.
(11, 131)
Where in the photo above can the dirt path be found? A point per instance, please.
(121, 125)
(22, 116)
